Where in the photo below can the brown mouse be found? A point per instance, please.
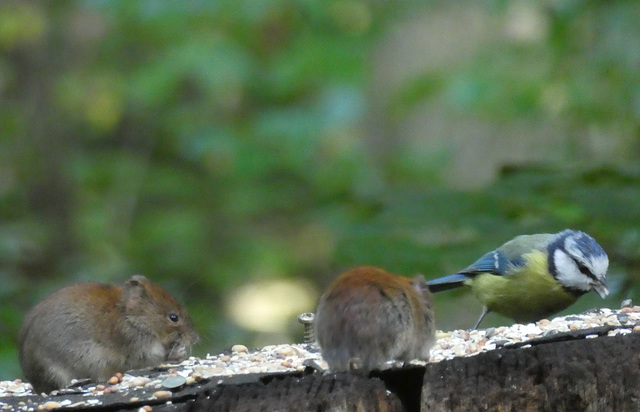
(92, 330)
(369, 316)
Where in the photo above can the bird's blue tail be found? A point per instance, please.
(447, 282)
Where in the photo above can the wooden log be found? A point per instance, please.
(564, 372)
(317, 392)
(600, 374)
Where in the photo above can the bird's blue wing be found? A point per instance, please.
(494, 262)
(503, 261)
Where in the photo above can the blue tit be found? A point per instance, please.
(532, 277)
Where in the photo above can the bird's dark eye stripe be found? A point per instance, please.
(584, 270)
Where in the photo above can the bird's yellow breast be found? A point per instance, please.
(527, 295)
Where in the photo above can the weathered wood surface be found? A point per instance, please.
(601, 374)
(564, 373)
(330, 392)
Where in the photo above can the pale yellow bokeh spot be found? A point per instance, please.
(269, 306)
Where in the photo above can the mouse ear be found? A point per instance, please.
(138, 278)
(134, 292)
(419, 284)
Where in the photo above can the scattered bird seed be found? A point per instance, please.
(162, 394)
(239, 349)
(297, 357)
(50, 405)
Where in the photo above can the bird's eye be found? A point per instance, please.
(583, 269)
(173, 317)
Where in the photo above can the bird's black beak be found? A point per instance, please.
(601, 288)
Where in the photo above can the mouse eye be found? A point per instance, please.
(174, 317)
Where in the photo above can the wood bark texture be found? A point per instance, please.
(318, 392)
(561, 373)
(600, 374)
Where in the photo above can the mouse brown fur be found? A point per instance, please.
(369, 316)
(92, 330)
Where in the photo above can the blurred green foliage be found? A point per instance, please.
(209, 145)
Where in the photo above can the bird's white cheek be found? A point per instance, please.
(568, 273)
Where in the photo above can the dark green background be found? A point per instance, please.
(211, 145)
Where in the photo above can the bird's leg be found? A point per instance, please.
(485, 310)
